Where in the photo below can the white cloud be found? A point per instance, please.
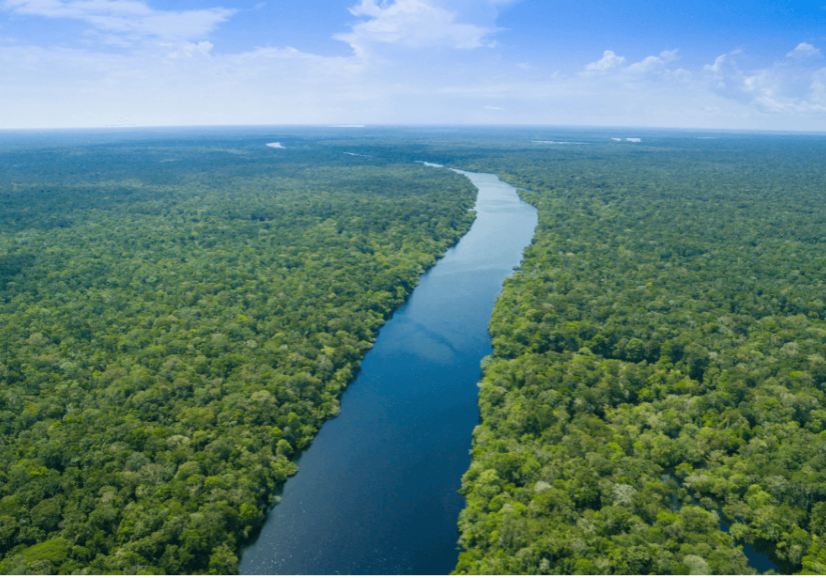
(174, 78)
(818, 87)
(418, 24)
(191, 49)
(803, 50)
(612, 73)
(653, 63)
(60, 87)
(719, 62)
(782, 88)
(127, 19)
(608, 62)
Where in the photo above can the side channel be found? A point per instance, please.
(377, 489)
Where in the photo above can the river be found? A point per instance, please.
(376, 492)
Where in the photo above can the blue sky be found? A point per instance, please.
(723, 65)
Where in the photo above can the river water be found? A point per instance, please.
(376, 492)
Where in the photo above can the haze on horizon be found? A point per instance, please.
(719, 65)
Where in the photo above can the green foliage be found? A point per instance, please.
(47, 557)
(658, 363)
(177, 322)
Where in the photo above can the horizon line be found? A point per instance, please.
(132, 128)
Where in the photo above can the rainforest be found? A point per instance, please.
(182, 309)
(178, 319)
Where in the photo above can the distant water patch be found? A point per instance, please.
(430, 164)
(275, 145)
(347, 126)
(758, 560)
(559, 142)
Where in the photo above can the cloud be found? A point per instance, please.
(127, 19)
(608, 62)
(818, 88)
(782, 88)
(191, 49)
(719, 62)
(653, 63)
(417, 24)
(803, 50)
(60, 87)
(611, 70)
(390, 79)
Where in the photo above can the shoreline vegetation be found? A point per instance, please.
(177, 322)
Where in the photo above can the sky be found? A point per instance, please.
(756, 65)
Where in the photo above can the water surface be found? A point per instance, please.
(376, 492)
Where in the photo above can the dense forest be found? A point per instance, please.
(656, 400)
(179, 317)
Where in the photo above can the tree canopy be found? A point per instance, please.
(179, 320)
(658, 369)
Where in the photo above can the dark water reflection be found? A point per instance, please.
(377, 490)
(758, 557)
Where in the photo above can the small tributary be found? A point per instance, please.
(376, 492)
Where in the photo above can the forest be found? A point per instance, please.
(180, 316)
(655, 401)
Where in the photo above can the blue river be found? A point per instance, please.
(376, 492)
